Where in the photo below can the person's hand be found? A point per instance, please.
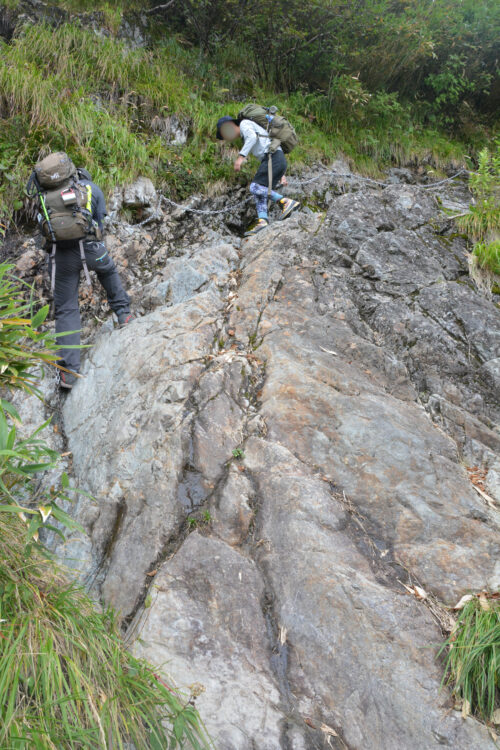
(239, 163)
(284, 181)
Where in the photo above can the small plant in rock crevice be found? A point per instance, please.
(195, 522)
(238, 453)
(472, 666)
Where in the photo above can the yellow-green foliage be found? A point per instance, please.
(482, 222)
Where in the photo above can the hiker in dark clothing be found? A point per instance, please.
(67, 259)
(256, 141)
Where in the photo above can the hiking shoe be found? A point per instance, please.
(287, 205)
(67, 379)
(259, 225)
(123, 320)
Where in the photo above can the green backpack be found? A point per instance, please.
(66, 208)
(281, 132)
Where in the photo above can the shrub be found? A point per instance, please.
(482, 221)
(450, 86)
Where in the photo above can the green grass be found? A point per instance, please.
(473, 660)
(482, 219)
(488, 256)
(96, 98)
(66, 679)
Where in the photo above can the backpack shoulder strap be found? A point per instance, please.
(88, 190)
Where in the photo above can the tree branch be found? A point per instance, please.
(305, 43)
(160, 7)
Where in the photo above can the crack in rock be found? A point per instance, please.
(266, 473)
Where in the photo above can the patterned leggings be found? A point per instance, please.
(260, 194)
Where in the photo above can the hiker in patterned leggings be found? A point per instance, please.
(256, 141)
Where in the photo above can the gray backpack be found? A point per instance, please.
(66, 204)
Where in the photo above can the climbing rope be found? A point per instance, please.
(441, 182)
(299, 183)
(202, 211)
(351, 176)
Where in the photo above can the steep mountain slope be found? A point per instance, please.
(277, 445)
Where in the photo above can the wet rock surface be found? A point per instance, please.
(277, 444)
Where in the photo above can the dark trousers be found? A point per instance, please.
(67, 312)
(279, 168)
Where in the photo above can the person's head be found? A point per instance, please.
(84, 174)
(228, 129)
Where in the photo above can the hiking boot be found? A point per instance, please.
(123, 320)
(259, 225)
(287, 205)
(67, 379)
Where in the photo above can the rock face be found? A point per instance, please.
(173, 129)
(142, 192)
(277, 444)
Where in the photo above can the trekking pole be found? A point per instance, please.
(271, 111)
(269, 168)
(34, 181)
(269, 178)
